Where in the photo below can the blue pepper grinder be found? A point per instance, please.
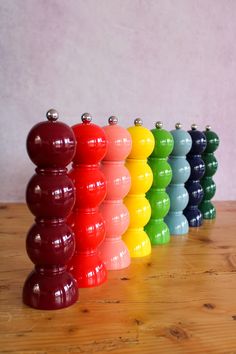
(193, 186)
(176, 221)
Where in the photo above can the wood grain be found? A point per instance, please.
(181, 299)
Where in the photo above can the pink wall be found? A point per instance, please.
(158, 59)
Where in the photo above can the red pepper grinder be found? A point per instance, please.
(86, 220)
(50, 196)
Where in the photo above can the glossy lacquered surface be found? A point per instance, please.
(209, 188)
(176, 221)
(156, 228)
(135, 237)
(51, 144)
(193, 186)
(50, 196)
(86, 221)
(113, 250)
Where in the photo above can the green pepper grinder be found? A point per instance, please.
(157, 229)
(207, 208)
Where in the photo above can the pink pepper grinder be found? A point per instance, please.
(113, 250)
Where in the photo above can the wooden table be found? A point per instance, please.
(181, 299)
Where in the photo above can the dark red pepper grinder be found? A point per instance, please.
(86, 221)
(50, 196)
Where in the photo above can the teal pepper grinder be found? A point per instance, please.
(156, 228)
(207, 208)
(176, 221)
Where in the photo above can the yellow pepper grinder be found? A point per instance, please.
(139, 208)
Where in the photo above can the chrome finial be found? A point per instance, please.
(194, 126)
(113, 120)
(86, 118)
(178, 125)
(52, 115)
(138, 122)
(159, 125)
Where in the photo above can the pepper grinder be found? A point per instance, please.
(197, 168)
(139, 208)
(50, 196)
(176, 221)
(207, 208)
(159, 200)
(114, 251)
(86, 220)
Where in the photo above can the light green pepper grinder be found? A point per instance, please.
(156, 228)
(207, 208)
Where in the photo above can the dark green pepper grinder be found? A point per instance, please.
(159, 200)
(207, 208)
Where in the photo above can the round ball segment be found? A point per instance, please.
(175, 220)
(135, 237)
(141, 176)
(113, 250)
(139, 210)
(193, 186)
(91, 187)
(86, 221)
(90, 224)
(116, 216)
(162, 173)
(160, 204)
(119, 142)
(207, 208)
(156, 228)
(41, 240)
(50, 196)
(210, 163)
(51, 144)
(142, 142)
(181, 168)
(91, 144)
(118, 179)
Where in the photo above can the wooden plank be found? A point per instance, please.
(181, 299)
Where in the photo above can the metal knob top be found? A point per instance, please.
(178, 125)
(113, 120)
(138, 122)
(52, 115)
(159, 125)
(208, 127)
(86, 118)
(194, 126)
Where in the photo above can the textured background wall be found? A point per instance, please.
(158, 59)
